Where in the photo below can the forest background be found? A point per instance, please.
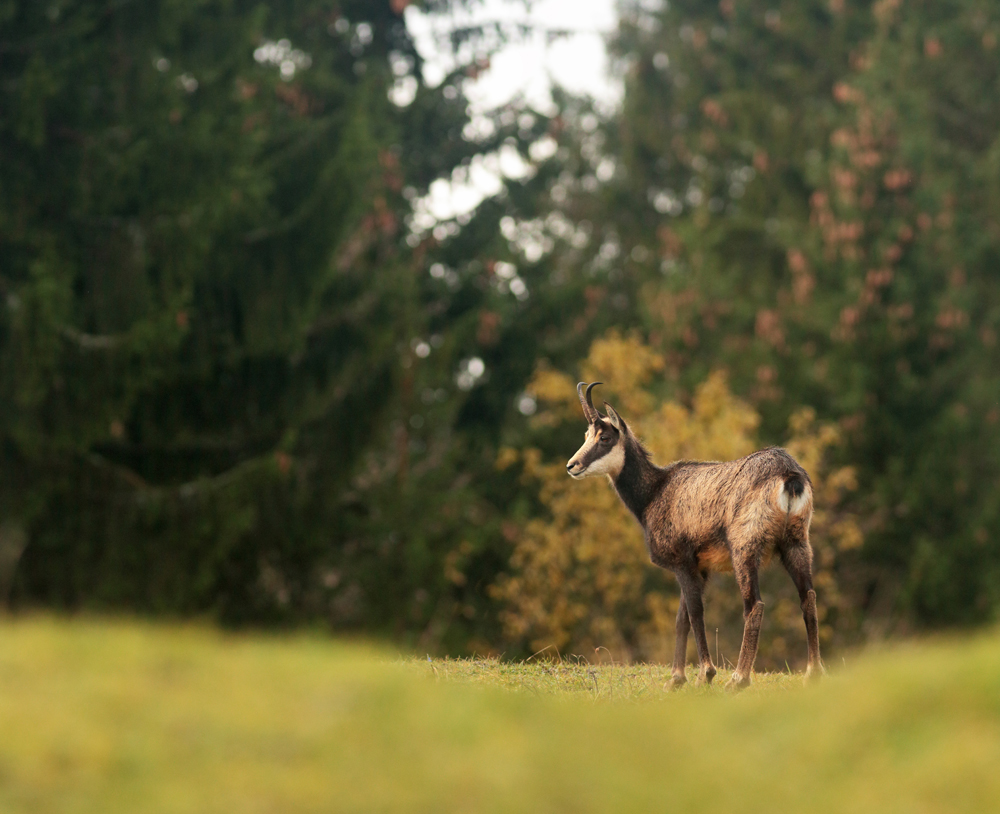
(245, 376)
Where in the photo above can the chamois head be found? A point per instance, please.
(603, 450)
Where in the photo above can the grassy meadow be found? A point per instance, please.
(110, 716)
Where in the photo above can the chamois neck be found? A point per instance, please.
(639, 479)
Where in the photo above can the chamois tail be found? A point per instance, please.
(795, 494)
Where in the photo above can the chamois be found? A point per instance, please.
(700, 517)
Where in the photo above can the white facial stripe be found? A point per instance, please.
(608, 464)
(588, 445)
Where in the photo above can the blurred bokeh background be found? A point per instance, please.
(294, 294)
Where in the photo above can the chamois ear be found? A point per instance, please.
(614, 418)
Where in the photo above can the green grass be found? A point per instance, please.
(100, 716)
(610, 681)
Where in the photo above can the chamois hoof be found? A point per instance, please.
(737, 683)
(675, 683)
(814, 674)
(705, 676)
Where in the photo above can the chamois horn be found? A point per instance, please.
(589, 411)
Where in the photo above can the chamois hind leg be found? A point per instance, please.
(753, 615)
(692, 584)
(678, 677)
(796, 556)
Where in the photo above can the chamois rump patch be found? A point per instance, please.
(794, 496)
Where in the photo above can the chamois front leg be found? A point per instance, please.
(678, 675)
(753, 615)
(692, 585)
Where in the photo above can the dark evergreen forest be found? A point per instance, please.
(239, 380)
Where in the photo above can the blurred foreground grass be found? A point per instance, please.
(126, 717)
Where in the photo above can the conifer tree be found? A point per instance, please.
(804, 193)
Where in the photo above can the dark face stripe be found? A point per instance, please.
(593, 450)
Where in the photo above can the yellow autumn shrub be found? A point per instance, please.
(580, 580)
